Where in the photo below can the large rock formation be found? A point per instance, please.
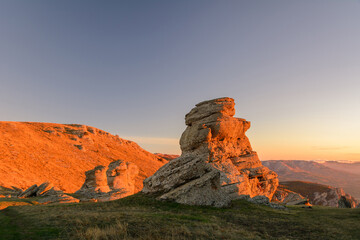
(32, 153)
(217, 163)
(109, 183)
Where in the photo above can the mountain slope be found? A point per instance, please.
(31, 153)
(292, 170)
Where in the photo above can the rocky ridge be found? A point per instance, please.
(217, 163)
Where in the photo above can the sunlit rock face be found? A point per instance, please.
(217, 163)
(109, 183)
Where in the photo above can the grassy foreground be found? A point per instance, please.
(140, 217)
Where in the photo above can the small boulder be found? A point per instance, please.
(43, 188)
(96, 180)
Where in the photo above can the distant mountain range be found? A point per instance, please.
(345, 175)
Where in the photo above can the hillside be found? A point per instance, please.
(32, 153)
(297, 170)
(141, 217)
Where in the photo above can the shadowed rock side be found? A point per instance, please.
(32, 153)
(109, 183)
(217, 163)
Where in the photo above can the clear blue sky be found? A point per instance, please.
(135, 68)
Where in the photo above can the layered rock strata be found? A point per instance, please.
(217, 163)
(109, 183)
(46, 193)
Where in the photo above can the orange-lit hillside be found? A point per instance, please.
(31, 153)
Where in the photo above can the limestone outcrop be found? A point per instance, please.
(323, 195)
(217, 163)
(109, 183)
(334, 197)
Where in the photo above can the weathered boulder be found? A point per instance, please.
(109, 183)
(334, 197)
(96, 180)
(121, 175)
(44, 188)
(30, 192)
(217, 163)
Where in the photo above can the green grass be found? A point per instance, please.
(141, 217)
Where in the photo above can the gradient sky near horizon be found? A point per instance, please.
(135, 68)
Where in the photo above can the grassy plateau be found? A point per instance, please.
(141, 217)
